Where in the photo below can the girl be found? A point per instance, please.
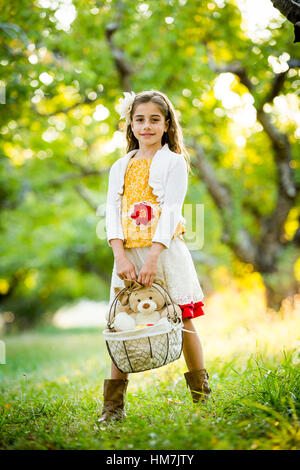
(144, 228)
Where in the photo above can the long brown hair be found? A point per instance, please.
(173, 136)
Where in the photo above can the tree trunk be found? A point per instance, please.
(282, 283)
(275, 294)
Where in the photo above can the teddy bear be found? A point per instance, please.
(140, 305)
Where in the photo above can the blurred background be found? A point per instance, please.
(231, 69)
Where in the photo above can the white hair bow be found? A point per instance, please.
(125, 105)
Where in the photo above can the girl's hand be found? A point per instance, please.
(148, 272)
(125, 269)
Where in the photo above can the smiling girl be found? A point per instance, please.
(145, 227)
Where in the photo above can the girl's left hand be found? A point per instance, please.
(148, 272)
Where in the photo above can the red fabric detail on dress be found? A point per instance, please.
(192, 310)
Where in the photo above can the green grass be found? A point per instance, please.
(51, 392)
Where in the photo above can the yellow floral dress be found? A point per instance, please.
(140, 210)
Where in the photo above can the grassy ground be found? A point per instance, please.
(51, 388)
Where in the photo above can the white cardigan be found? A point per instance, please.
(168, 179)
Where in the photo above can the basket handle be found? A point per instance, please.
(114, 304)
(168, 314)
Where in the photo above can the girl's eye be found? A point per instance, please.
(150, 297)
(139, 300)
(153, 120)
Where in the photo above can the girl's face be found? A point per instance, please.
(148, 124)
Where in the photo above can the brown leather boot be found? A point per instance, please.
(114, 400)
(197, 381)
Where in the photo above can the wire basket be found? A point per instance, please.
(146, 348)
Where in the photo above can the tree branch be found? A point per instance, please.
(241, 242)
(234, 67)
(288, 8)
(84, 194)
(65, 110)
(124, 69)
(278, 81)
(219, 192)
(70, 176)
(291, 10)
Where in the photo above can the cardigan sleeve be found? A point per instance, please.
(113, 222)
(175, 191)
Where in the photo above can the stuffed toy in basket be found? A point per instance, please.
(144, 327)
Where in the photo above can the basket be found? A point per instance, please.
(147, 348)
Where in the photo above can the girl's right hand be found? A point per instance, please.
(125, 268)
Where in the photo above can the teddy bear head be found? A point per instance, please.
(141, 299)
